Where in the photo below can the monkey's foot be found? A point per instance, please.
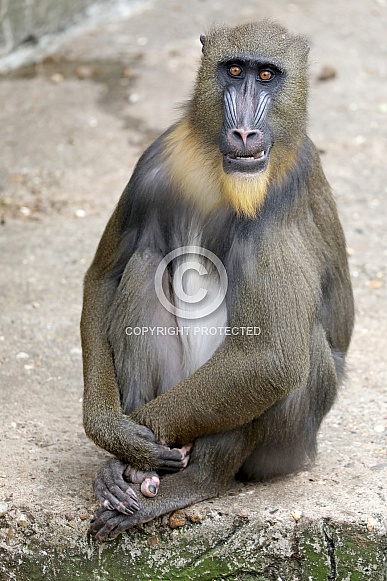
(176, 491)
(108, 524)
(113, 491)
(112, 486)
(112, 483)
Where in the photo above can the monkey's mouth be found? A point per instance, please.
(247, 157)
(249, 164)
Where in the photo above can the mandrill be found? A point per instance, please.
(235, 181)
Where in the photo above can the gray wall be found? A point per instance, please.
(23, 19)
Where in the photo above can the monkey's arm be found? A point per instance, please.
(247, 374)
(338, 304)
(103, 419)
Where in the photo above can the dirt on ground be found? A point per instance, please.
(72, 128)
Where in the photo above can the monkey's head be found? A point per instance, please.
(246, 121)
(250, 96)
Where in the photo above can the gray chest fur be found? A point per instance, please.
(163, 328)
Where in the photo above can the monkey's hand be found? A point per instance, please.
(137, 445)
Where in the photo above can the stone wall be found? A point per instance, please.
(27, 20)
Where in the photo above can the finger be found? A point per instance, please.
(100, 518)
(150, 486)
(113, 491)
(149, 481)
(126, 499)
(187, 449)
(178, 461)
(171, 466)
(110, 475)
(115, 495)
(113, 528)
(103, 528)
(122, 526)
(185, 452)
(112, 503)
(124, 493)
(171, 454)
(137, 476)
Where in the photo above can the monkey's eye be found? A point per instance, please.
(234, 71)
(265, 75)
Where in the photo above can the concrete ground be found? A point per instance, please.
(72, 128)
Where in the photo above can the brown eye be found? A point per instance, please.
(235, 70)
(265, 75)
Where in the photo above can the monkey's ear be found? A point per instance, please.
(306, 43)
(203, 41)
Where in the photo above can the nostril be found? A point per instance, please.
(243, 135)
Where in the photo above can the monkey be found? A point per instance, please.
(236, 180)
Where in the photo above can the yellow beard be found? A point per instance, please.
(245, 194)
(197, 172)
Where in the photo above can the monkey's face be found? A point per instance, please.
(250, 96)
(246, 138)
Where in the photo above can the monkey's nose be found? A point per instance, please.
(247, 136)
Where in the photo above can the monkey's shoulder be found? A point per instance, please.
(150, 172)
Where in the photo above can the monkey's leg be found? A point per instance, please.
(291, 425)
(111, 485)
(214, 463)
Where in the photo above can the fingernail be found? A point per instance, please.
(152, 488)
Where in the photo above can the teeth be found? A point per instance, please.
(258, 156)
